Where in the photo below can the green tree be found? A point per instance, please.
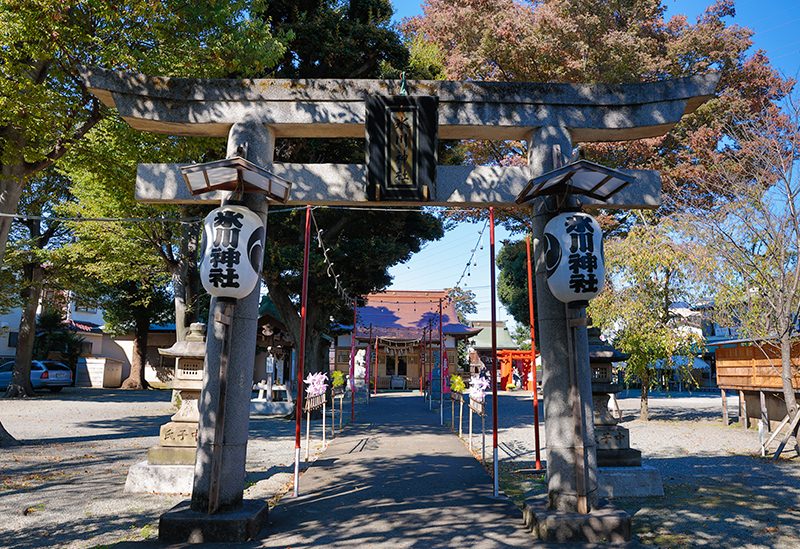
(332, 39)
(54, 337)
(45, 106)
(512, 287)
(463, 301)
(33, 239)
(103, 170)
(646, 272)
(132, 306)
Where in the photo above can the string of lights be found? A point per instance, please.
(329, 264)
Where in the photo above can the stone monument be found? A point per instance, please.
(169, 468)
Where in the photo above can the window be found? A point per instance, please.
(401, 366)
(86, 348)
(13, 337)
(7, 367)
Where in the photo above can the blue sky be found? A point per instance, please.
(440, 264)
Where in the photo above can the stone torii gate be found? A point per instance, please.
(549, 117)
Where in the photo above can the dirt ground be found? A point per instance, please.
(719, 492)
(63, 486)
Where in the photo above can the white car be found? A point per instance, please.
(45, 374)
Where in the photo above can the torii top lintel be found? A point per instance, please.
(335, 108)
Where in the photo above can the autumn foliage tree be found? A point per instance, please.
(598, 41)
(752, 237)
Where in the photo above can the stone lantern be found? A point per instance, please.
(620, 471)
(169, 468)
(613, 440)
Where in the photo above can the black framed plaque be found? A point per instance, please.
(402, 136)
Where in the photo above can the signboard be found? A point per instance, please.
(478, 406)
(574, 257)
(401, 147)
(233, 251)
(312, 403)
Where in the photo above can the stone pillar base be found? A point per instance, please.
(146, 478)
(630, 482)
(603, 525)
(182, 525)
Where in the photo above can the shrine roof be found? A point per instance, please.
(404, 314)
(483, 340)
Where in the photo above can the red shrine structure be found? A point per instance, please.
(403, 326)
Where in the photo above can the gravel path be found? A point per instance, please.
(64, 486)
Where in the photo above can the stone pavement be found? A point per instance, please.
(396, 479)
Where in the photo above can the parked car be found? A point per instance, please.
(45, 374)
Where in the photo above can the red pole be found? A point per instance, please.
(353, 365)
(368, 365)
(441, 367)
(421, 360)
(430, 360)
(375, 374)
(302, 354)
(533, 356)
(494, 355)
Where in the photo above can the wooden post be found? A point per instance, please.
(743, 411)
(483, 439)
(792, 427)
(724, 407)
(324, 413)
(308, 432)
(470, 429)
(460, 415)
(333, 416)
(764, 411)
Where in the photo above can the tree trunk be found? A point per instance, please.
(136, 378)
(21, 379)
(644, 409)
(179, 291)
(186, 280)
(11, 185)
(786, 375)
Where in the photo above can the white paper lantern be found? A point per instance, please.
(574, 257)
(233, 251)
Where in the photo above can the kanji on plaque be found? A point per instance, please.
(574, 257)
(233, 251)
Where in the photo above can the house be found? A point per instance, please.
(105, 360)
(404, 325)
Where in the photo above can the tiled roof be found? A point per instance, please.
(403, 314)
(85, 327)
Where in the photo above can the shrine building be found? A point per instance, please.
(405, 327)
